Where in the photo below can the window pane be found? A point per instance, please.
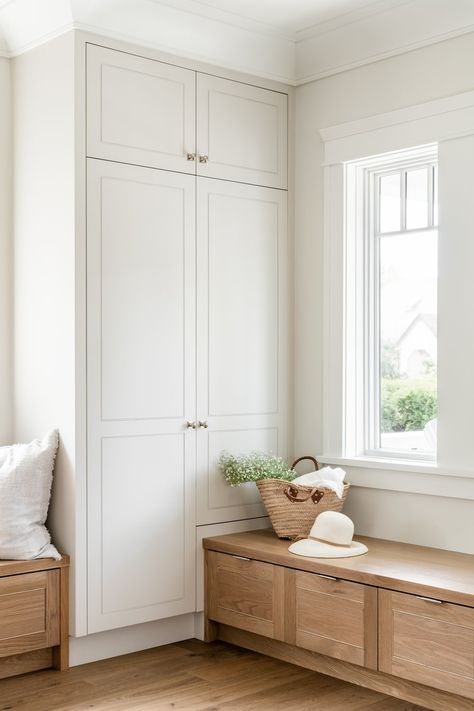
(408, 342)
(417, 199)
(390, 203)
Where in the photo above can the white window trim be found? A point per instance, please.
(409, 477)
(418, 125)
(361, 285)
(432, 122)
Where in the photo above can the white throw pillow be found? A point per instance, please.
(26, 476)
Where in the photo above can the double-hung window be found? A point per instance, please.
(391, 300)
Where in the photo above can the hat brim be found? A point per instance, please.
(317, 549)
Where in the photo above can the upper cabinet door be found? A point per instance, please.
(140, 111)
(241, 132)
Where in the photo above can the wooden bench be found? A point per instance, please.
(33, 615)
(399, 619)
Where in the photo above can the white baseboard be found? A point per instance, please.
(125, 640)
(199, 625)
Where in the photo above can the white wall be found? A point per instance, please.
(44, 263)
(434, 72)
(6, 345)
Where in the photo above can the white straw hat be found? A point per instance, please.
(330, 537)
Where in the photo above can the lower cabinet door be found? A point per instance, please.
(427, 641)
(247, 594)
(29, 612)
(335, 617)
(140, 394)
(242, 339)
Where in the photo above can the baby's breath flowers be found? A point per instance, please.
(252, 467)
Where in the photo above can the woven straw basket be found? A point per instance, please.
(293, 507)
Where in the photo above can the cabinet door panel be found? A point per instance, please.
(139, 110)
(242, 262)
(141, 391)
(243, 131)
(337, 618)
(243, 303)
(246, 594)
(29, 612)
(143, 499)
(142, 257)
(427, 641)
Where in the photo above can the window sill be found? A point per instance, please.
(404, 476)
(405, 465)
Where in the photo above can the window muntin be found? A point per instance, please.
(389, 188)
(401, 310)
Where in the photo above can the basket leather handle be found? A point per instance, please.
(294, 494)
(301, 459)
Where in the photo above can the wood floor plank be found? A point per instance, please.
(190, 676)
(232, 693)
(388, 704)
(287, 694)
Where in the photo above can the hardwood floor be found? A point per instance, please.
(189, 675)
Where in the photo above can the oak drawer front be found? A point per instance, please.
(427, 641)
(29, 612)
(246, 594)
(336, 618)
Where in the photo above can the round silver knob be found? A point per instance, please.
(190, 425)
(203, 423)
(203, 158)
(191, 156)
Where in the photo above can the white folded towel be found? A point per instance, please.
(332, 478)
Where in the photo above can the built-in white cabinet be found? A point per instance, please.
(187, 299)
(241, 336)
(169, 344)
(149, 113)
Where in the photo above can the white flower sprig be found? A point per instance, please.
(252, 467)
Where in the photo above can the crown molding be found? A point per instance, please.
(203, 9)
(197, 31)
(156, 25)
(41, 39)
(393, 30)
(3, 44)
(371, 59)
(347, 18)
(181, 53)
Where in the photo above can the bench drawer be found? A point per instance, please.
(29, 612)
(336, 618)
(245, 593)
(427, 641)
